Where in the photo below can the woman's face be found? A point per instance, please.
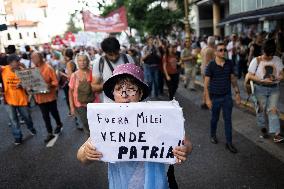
(82, 62)
(125, 92)
(66, 58)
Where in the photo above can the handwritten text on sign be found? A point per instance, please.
(32, 80)
(144, 131)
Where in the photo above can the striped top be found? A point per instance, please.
(220, 77)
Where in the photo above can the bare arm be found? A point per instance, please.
(145, 54)
(69, 70)
(235, 84)
(165, 68)
(206, 92)
(250, 57)
(97, 84)
(71, 101)
(236, 89)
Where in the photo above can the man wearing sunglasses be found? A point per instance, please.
(219, 77)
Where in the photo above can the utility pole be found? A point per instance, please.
(186, 21)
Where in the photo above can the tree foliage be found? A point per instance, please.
(71, 25)
(156, 21)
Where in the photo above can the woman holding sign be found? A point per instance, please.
(125, 86)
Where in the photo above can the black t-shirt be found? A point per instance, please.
(220, 77)
(153, 58)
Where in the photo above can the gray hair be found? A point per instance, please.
(211, 41)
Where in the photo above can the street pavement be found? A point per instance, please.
(259, 163)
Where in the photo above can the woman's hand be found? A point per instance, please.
(168, 78)
(182, 152)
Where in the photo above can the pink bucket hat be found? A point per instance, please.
(130, 70)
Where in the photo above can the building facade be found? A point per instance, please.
(25, 20)
(223, 17)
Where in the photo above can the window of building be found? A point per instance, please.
(259, 4)
(8, 36)
(249, 5)
(235, 6)
(20, 36)
(270, 3)
(35, 35)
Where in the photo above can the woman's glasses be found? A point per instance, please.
(128, 90)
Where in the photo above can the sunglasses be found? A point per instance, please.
(222, 50)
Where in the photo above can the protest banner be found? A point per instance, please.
(116, 21)
(142, 131)
(32, 81)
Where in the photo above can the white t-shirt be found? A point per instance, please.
(27, 63)
(107, 72)
(266, 68)
(230, 47)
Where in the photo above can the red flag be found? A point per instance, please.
(57, 40)
(69, 36)
(116, 21)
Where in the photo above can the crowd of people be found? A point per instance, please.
(83, 72)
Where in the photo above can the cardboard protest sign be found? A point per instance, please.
(143, 131)
(32, 81)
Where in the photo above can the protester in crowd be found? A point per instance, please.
(126, 85)
(232, 51)
(47, 101)
(55, 60)
(170, 63)
(16, 98)
(162, 48)
(207, 55)
(81, 80)
(189, 61)
(26, 61)
(255, 48)
(267, 71)
(29, 51)
(218, 80)
(64, 75)
(203, 41)
(92, 53)
(242, 56)
(103, 67)
(151, 58)
(134, 55)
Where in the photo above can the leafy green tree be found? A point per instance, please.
(71, 25)
(156, 21)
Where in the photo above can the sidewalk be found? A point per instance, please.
(248, 104)
(243, 120)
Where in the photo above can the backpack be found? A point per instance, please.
(85, 92)
(102, 63)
